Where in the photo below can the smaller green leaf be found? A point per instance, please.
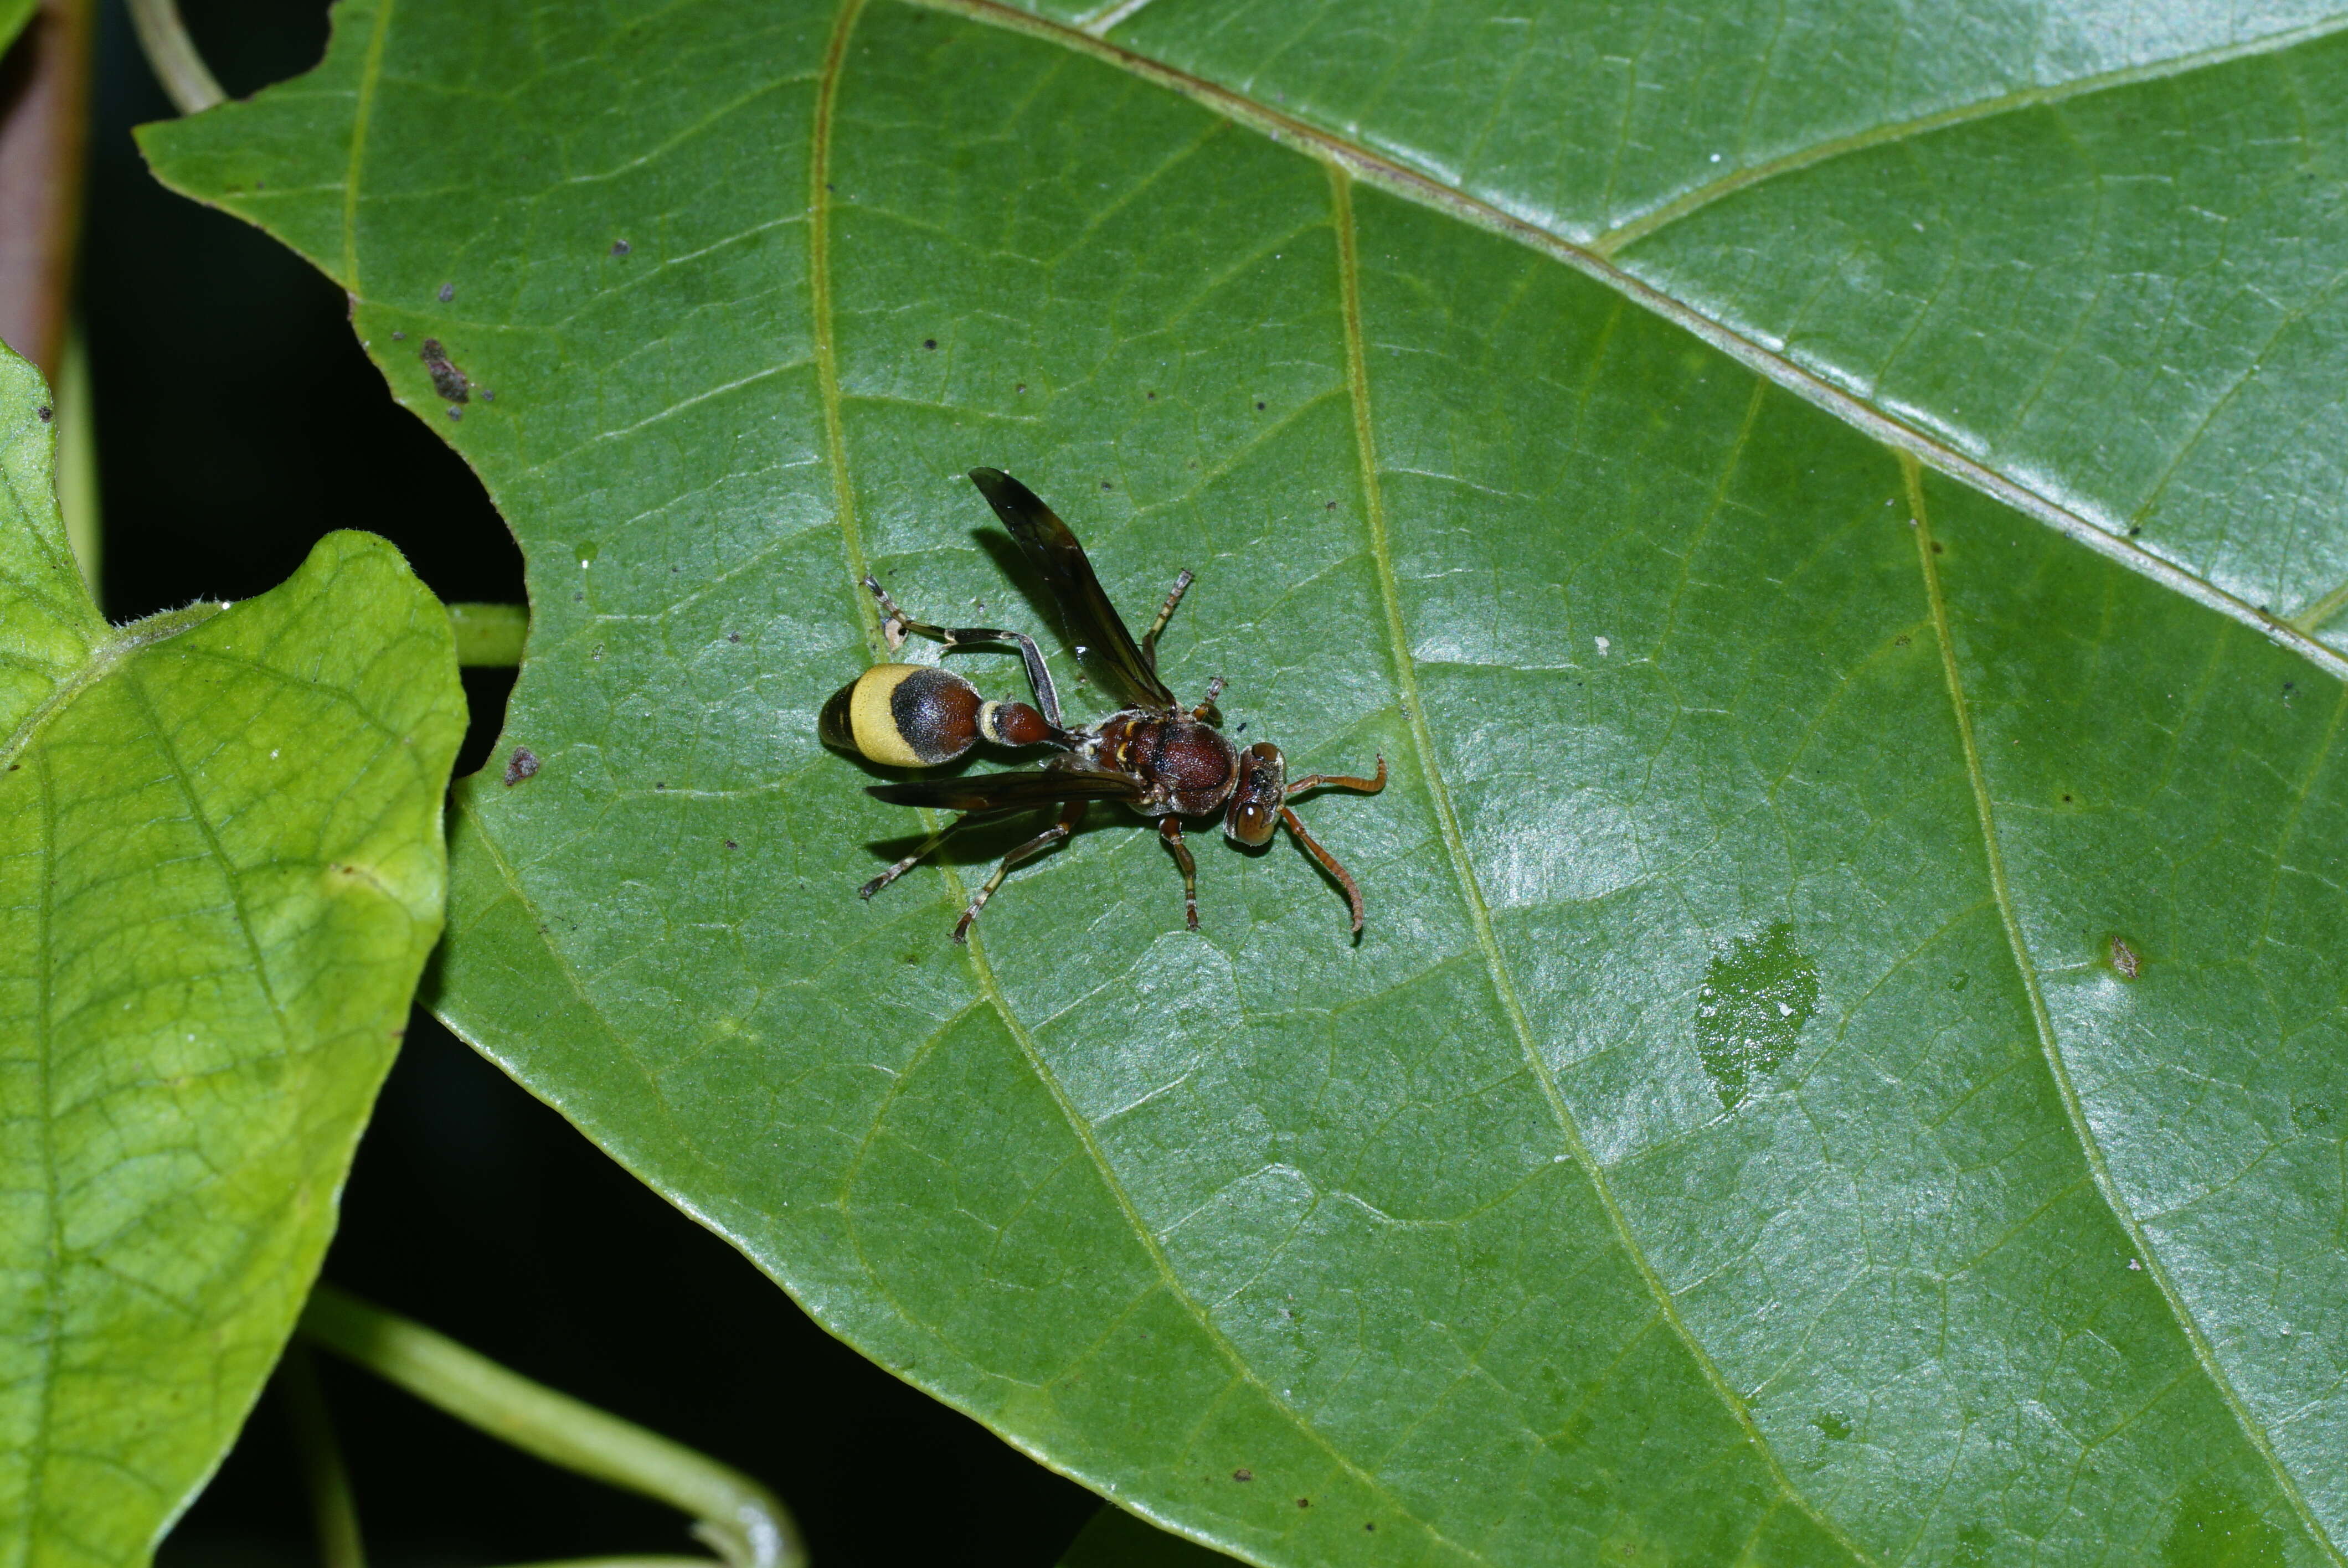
(13, 14)
(220, 869)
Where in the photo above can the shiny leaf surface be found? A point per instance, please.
(1844, 1064)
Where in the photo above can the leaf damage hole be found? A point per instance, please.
(2126, 959)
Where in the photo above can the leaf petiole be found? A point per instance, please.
(490, 634)
(739, 1519)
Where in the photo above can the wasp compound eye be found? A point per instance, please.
(903, 716)
(1257, 798)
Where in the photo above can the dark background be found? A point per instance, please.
(237, 421)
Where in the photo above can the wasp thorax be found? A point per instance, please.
(904, 715)
(1257, 798)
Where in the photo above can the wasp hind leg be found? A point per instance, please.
(927, 847)
(1039, 676)
(1071, 813)
(1170, 832)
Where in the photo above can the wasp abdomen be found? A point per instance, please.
(918, 716)
(903, 716)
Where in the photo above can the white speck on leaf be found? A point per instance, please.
(1603, 644)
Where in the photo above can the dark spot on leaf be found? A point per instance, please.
(618, 247)
(928, 343)
(1242, 1475)
(399, 337)
(2132, 532)
(733, 636)
(488, 397)
(1936, 546)
(731, 844)
(1259, 408)
(1105, 483)
(1900, 641)
(1369, 1527)
(1150, 394)
(446, 379)
(659, 785)
(2125, 958)
(454, 412)
(1020, 387)
(1755, 997)
(521, 766)
(2066, 800)
(448, 292)
(1303, 1502)
(46, 411)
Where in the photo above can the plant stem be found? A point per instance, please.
(735, 1516)
(171, 56)
(490, 634)
(332, 1507)
(43, 133)
(78, 457)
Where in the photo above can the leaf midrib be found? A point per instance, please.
(983, 972)
(1377, 169)
(2050, 1045)
(1479, 912)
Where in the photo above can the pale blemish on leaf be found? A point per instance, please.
(1756, 995)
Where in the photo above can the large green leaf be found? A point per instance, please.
(220, 870)
(1845, 1062)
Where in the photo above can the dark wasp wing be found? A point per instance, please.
(1014, 790)
(1051, 549)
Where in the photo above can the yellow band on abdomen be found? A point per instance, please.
(871, 720)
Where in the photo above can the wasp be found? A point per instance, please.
(1154, 756)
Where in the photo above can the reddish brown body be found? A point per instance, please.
(1185, 766)
(1164, 760)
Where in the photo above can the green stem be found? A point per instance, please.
(737, 1517)
(77, 456)
(332, 1507)
(490, 634)
(172, 55)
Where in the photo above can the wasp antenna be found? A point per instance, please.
(1329, 862)
(1340, 781)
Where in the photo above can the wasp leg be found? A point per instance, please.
(1206, 708)
(1170, 832)
(1039, 677)
(1339, 780)
(928, 848)
(1071, 813)
(1183, 580)
(1328, 863)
